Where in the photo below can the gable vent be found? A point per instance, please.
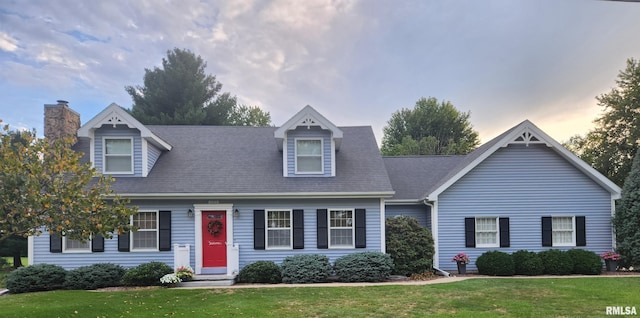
(526, 138)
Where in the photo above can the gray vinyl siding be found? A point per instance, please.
(153, 153)
(523, 184)
(421, 212)
(119, 131)
(182, 232)
(309, 133)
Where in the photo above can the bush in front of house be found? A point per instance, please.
(94, 276)
(585, 262)
(261, 272)
(495, 263)
(40, 277)
(556, 262)
(147, 274)
(364, 267)
(527, 263)
(305, 268)
(409, 244)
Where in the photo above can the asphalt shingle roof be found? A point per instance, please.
(246, 160)
(415, 177)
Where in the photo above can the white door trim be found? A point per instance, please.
(198, 208)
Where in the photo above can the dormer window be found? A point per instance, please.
(118, 155)
(309, 156)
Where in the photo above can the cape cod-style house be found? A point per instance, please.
(218, 198)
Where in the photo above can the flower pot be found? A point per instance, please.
(611, 265)
(462, 268)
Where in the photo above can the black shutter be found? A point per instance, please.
(323, 234)
(97, 243)
(123, 242)
(361, 228)
(55, 243)
(258, 229)
(164, 243)
(547, 234)
(470, 232)
(298, 229)
(581, 233)
(505, 240)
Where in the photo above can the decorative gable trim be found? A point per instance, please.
(308, 117)
(528, 133)
(527, 137)
(116, 115)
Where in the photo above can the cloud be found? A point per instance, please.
(355, 61)
(7, 43)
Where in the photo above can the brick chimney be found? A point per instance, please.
(60, 121)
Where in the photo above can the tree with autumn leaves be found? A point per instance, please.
(44, 187)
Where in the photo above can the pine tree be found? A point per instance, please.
(627, 217)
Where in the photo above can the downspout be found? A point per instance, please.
(434, 233)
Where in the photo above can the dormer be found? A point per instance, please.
(120, 145)
(308, 142)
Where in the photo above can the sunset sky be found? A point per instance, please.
(356, 62)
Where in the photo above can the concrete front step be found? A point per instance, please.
(209, 281)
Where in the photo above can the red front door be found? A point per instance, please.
(214, 238)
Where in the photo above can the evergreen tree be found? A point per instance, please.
(182, 93)
(627, 218)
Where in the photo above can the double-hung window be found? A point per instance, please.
(145, 237)
(341, 231)
(279, 232)
(74, 246)
(118, 155)
(309, 156)
(487, 232)
(563, 231)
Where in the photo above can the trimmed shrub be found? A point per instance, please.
(38, 277)
(94, 276)
(495, 263)
(147, 274)
(527, 263)
(556, 262)
(409, 244)
(305, 268)
(585, 262)
(364, 267)
(3, 263)
(262, 272)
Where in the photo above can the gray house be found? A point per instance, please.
(218, 198)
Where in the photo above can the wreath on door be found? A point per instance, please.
(215, 227)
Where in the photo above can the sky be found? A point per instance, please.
(356, 62)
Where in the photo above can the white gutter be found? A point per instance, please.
(434, 231)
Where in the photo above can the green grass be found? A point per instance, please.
(566, 297)
(5, 271)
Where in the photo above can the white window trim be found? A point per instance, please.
(132, 234)
(573, 231)
(295, 156)
(75, 251)
(266, 230)
(497, 243)
(104, 155)
(352, 228)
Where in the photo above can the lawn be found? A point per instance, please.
(5, 271)
(585, 297)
